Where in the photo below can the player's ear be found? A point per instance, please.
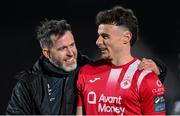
(46, 52)
(127, 37)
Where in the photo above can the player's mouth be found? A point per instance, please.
(103, 50)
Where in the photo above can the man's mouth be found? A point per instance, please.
(103, 50)
(70, 61)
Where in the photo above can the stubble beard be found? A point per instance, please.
(63, 66)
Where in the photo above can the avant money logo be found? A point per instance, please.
(91, 97)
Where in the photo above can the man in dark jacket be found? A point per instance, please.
(50, 86)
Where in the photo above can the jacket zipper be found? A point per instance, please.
(63, 88)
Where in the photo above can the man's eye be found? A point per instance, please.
(61, 49)
(105, 37)
(72, 45)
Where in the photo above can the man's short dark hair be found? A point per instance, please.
(119, 16)
(48, 28)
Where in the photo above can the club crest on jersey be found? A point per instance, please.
(125, 84)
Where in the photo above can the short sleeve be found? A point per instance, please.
(152, 97)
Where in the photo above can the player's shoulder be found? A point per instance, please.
(147, 76)
(142, 72)
(146, 73)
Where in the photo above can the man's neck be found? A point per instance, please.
(122, 61)
(122, 58)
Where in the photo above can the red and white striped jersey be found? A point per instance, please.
(122, 90)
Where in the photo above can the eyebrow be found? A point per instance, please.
(104, 34)
(65, 46)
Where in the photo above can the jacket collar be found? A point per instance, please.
(43, 65)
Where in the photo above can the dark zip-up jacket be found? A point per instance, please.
(30, 95)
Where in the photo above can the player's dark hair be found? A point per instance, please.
(120, 16)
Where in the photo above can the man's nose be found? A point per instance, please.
(69, 51)
(99, 41)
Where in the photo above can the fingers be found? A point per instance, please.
(145, 63)
(148, 64)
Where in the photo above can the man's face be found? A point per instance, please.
(63, 53)
(110, 40)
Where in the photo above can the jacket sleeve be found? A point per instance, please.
(20, 100)
(162, 68)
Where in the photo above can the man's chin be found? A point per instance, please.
(103, 56)
(106, 57)
(70, 68)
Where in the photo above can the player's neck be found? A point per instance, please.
(122, 59)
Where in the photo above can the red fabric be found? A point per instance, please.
(105, 89)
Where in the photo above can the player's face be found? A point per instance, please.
(110, 41)
(63, 53)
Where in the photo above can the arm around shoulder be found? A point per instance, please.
(162, 69)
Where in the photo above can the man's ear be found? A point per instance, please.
(127, 37)
(46, 53)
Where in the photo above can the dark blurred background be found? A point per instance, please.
(159, 36)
